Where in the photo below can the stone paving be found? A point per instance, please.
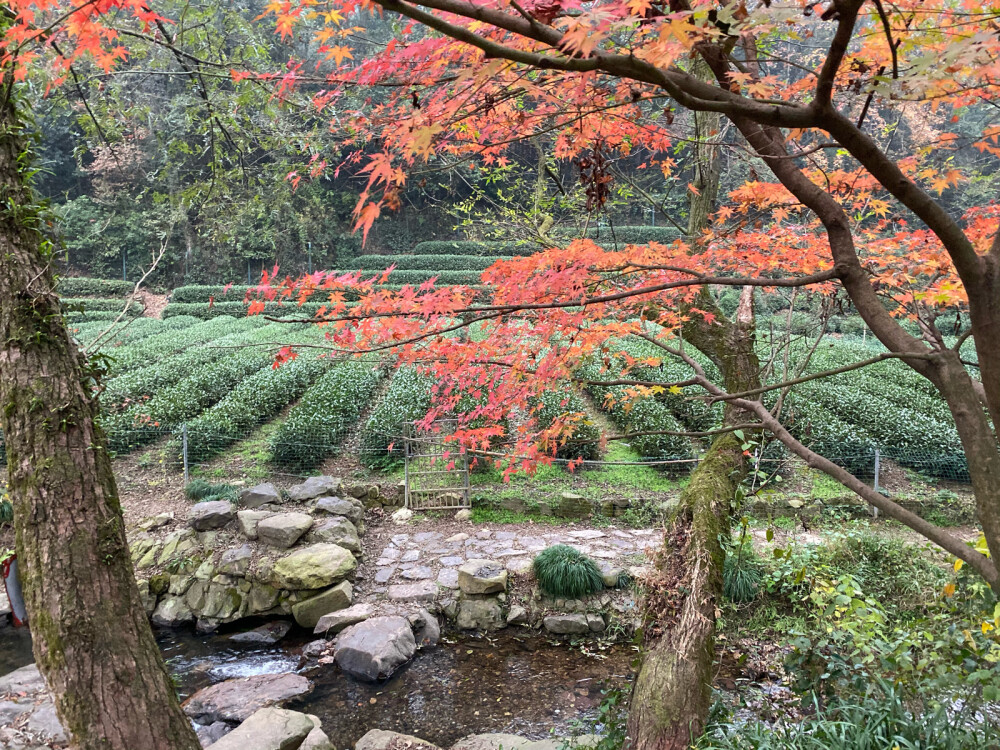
(426, 558)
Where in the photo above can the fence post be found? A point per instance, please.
(184, 451)
(877, 467)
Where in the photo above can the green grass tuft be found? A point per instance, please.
(741, 576)
(202, 491)
(567, 573)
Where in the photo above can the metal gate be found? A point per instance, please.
(436, 472)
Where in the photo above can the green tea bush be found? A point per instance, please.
(239, 309)
(618, 237)
(88, 305)
(145, 421)
(444, 278)
(316, 425)
(467, 247)
(372, 263)
(566, 573)
(82, 286)
(204, 292)
(584, 441)
(128, 332)
(250, 404)
(408, 398)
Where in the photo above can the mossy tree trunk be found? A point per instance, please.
(672, 693)
(91, 638)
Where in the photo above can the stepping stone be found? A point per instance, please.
(482, 577)
(452, 561)
(519, 565)
(334, 622)
(484, 534)
(448, 577)
(390, 553)
(400, 538)
(418, 573)
(410, 556)
(580, 548)
(427, 536)
(270, 633)
(587, 534)
(457, 538)
(532, 543)
(422, 591)
(603, 554)
(512, 553)
(382, 575)
(505, 536)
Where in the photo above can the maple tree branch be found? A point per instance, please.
(848, 11)
(893, 45)
(825, 374)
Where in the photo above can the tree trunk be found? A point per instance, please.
(673, 690)
(91, 638)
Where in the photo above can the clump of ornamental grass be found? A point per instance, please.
(741, 575)
(564, 572)
(202, 491)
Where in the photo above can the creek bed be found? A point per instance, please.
(519, 683)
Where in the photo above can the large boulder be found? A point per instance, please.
(247, 520)
(334, 622)
(375, 648)
(426, 628)
(262, 494)
(282, 530)
(316, 740)
(315, 567)
(380, 739)
(313, 487)
(307, 613)
(482, 577)
(268, 729)
(352, 510)
(335, 530)
(171, 612)
(213, 514)
(237, 699)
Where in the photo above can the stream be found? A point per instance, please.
(513, 681)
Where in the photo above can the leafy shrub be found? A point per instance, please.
(408, 398)
(81, 286)
(144, 422)
(566, 573)
(204, 292)
(239, 309)
(466, 247)
(371, 263)
(584, 440)
(881, 719)
(250, 404)
(88, 305)
(444, 278)
(202, 491)
(618, 237)
(164, 365)
(316, 425)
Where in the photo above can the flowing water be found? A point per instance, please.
(513, 682)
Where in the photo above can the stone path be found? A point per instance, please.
(415, 563)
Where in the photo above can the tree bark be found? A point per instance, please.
(672, 693)
(91, 638)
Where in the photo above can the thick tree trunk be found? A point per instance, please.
(91, 638)
(673, 691)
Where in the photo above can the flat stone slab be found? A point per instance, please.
(307, 613)
(213, 514)
(567, 624)
(375, 648)
(313, 487)
(282, 530)
(268, 729)
(422, 591)
(238, 699)
(271, 632)
(418, 573)
(482, 577)
(334, 622)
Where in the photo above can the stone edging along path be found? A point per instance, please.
(304, 552)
